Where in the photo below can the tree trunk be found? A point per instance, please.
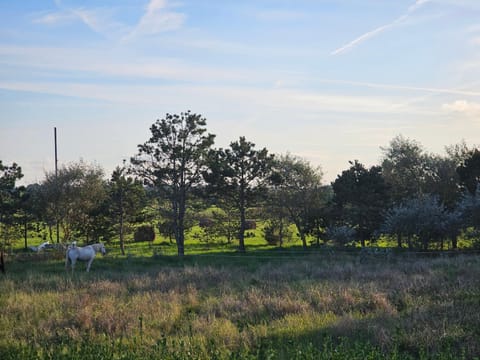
(304, 240)
(399, 241)
(425, 244)
(280, 233)
(181, 247)
(180, 237)
(179, 228)
(303, 237)
(229, 232)
(241, 234)
(122, 242)
(454, 242)
(362, 242)
(2, 262)
(50, 232)
(231, 226)
(25, 233)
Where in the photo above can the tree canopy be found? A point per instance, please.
(239, 173)
(469, 171)
(360, 198)
(299, 191)
(173, 160)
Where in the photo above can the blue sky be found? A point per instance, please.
(330, 81)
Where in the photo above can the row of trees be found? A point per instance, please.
(419, 198)
(77, 199)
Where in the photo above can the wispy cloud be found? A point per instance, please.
(279, 15)
(158, 18)
(434, 90)
(55, 18)
(417, 4)
(473, 29)
(370, 34)
(280, 100)
(98, 20)
(120, 64)
(366, 36)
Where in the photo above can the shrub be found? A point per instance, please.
(341, 235)
(205, 222)
(144, 233)
(250, 224)
(276, 233)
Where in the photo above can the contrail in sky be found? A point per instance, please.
(380, 29)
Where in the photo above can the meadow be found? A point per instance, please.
(265, 304)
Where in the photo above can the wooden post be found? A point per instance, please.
(2, 262)
(56, 182)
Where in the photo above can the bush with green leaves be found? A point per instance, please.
(277, 232)
(423, 221)
(144, 233)
(341, 235)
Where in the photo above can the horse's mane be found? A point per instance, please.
(97, 246)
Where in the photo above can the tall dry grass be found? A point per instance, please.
(408, 305)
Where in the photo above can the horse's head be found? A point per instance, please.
(99, 248)
(102, 249)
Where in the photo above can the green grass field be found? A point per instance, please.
(218, 304)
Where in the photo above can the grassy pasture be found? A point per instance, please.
(268, 304)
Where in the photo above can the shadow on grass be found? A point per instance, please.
(150, 259)
(376, 337)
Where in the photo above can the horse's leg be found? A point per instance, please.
(90, 261)
(89, 264)
(66, 261)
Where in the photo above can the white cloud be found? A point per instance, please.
(370, 34)
(463, 107)
(157, 18)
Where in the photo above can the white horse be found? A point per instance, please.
(86, 253)
(39, 247)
